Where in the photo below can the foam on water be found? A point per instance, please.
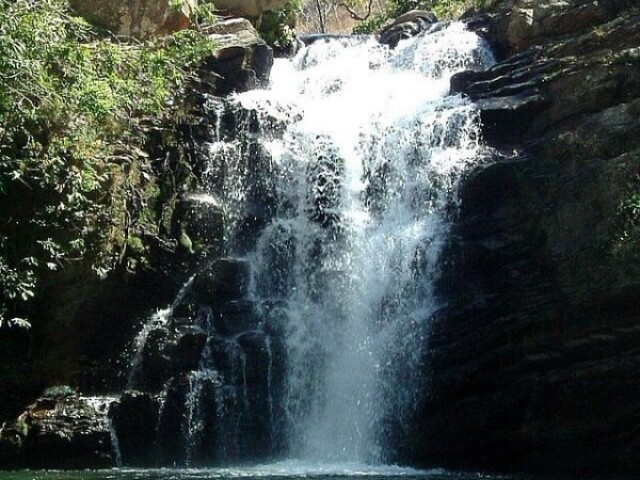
(296, 469)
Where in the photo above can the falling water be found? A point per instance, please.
(367, 157)
(115, 445)
(157, 319)
(334, 188)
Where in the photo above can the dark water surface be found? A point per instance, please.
(285, 471)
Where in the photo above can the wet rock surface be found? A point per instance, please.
(60, 431)
(170, 378)
(535, 358)
(405, 26)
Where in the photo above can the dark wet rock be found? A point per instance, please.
(255, 423)
(227, 357)
(63, 431)
(207, 428)
(199, 218)
(225, 280)
(533, 361)
(135, 421)
(170, 439)
(185, 314)
(406, 26)
(155, 363)
(188, 351)
(236, 317)
(276, 318)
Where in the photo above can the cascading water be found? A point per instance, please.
(366, 170)
(329, 195)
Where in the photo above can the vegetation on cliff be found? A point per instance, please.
(74, 102)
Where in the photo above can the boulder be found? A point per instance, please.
(200, 218)
(135, 418)
(255, 432)
(226, 279)
(236, 317)
(153, 367)
(241, 60)
(66, 431)
(188, 351)
(227, 357)
(406, 26)
(141, 19)
(171, 440)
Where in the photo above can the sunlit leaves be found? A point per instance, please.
(69, 98)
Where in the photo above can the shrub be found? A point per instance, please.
(72, 185)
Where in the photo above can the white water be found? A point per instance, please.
(158, 319)
(294, 469)
(367, 172)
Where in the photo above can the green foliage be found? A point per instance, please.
(625, 232)
(276, 28)
(205, 13)
(73, 181)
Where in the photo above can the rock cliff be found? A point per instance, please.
(535, 359)
(84, 326)
(145, 19)
(140, 19)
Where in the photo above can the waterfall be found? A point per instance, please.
(367, 150)
(325, 205)
(115, 445)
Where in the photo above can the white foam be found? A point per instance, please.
(368, 167)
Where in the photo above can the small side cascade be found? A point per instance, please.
(115, 445)
(200, 376)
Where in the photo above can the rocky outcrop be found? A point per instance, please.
(535, 358)
(201, 390)
(59, 431)
(140, 19)
(84, 326)
(406, 26)
(240, 62)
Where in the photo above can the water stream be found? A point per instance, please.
(367, 166)
(337, 185)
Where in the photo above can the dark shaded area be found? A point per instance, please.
(535, 356)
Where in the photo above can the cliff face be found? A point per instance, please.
(83, 326)
(146, 19)
(535, 358)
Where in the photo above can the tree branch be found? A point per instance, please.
(320, 16)
(355, 15)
